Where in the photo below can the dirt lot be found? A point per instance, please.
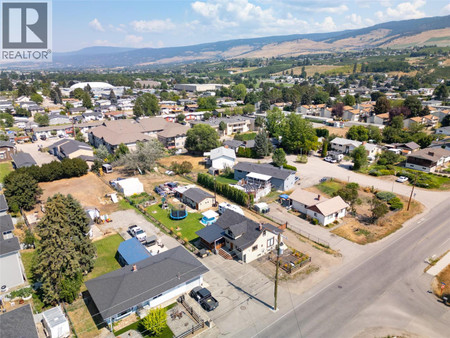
(337, 131)
(88, 189)
(197, 162)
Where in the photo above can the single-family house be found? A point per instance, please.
(280, 178)
(22, 159)
(3, 205)
(131, 251)
(379, 119)
(7, 149)
(325, 210)
(55, 119)
(428, 159)
(77, 110)
(345, 146)
(56, 323)
(197, 198)
(11, 273)
(351, 114)
(145, 284)
(402, 148)
(68, 148)
(440, 131)
(18, 322)
(222, 157)
(234, 124)
(234, 235)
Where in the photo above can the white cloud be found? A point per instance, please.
(331, 10)
(152, 26)
(96, 25)
(404, 10)
(355, 19)
(122, 28)
(133, 39)
(446, 9)
(205, 9)
(327, 25)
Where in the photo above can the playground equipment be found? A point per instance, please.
(178, 212)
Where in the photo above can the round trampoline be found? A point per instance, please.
(178, 212)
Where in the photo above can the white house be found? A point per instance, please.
(325, 210)
(222, 158)
(130, 186)
(346, 146)
(145, 284)
(56, 323)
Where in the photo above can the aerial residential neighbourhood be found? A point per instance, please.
(216, 168)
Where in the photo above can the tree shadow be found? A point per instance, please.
(93, 311)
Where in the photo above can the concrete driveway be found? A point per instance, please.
(316, 168)
(33, 149)
(121, 220)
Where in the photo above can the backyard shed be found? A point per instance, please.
(56, 323)
(130, 186)
(131, 251)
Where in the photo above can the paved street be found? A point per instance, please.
(316, 168)
(385, 288)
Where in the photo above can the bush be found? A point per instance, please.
(374, 172)
(385, 172)
(395, 203)
(315, 221)
(181, 168)
(246, 152)
(302, 159)
(155, 322)
(385, 195)
(289, 167)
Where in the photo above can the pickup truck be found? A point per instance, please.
(204, 298)
(137, 232)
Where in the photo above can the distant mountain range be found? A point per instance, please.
(395, 34)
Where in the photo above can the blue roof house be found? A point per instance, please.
(131, 251)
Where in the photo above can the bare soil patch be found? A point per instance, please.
(197, 162)
(442, 277)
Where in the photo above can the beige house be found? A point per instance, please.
(197, 198)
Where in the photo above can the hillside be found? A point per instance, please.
(396, 34)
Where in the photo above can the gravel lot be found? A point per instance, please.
(33, 150)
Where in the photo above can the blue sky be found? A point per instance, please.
(153, 23)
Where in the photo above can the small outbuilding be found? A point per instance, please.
(131, 251)
(209, 217)
(56, 323)
(130, 186)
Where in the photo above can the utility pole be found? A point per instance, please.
(215, 194)
(412, 191)
(276, 272)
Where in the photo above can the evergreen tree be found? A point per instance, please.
(65, 250)
(113, 97)
(262, 144)
(279, 157)
(21, 190)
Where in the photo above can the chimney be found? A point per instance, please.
(134, 268)
(226, 146)
(260, 227)
(431, 153)
(318, 197)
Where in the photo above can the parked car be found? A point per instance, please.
(329, 159)
(204, 298)
(160, 191)
(402, 179)
(169, 172)
(137, 232)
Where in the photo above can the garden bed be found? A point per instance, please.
(291, 261)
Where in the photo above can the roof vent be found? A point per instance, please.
(318, 197)
(431, 153)
(134, 268)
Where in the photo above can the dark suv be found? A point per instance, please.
(204, 298)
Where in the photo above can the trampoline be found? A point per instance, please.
(178, 212)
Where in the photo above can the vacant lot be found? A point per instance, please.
(80, 313)
(198, 162)
(5, 169)
(89, 190)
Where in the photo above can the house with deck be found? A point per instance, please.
(280, 178)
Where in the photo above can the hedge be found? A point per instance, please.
(289, 167)
(55, 170)
(246, 152)
(236, 195)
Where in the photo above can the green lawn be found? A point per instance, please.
(167, 332)
(188, 226)
(106, 252)
(5, 169)
(226, 179)
(329, 187)
(245, 137)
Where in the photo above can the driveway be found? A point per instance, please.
(121, 220)
(40, 157)
(316, 168)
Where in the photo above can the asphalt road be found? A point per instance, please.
(385, 287)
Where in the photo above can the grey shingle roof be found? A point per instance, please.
(18, 323)
(197, 195)
(23, 160)
(265, 169)
(4, 144)
(3, 203)
(121, 289)
(210, 233)
(247, 229)
(6, 223)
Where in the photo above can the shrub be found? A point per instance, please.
(374, 172)
(155, 321)
(395, 203)
(289, 167)
(302, 159)
(315, 221)
(385, 172)
(385, 195)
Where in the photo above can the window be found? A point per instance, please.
(315, 214)
(255, 247)
(270, 241)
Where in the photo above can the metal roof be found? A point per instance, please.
(132, 251)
